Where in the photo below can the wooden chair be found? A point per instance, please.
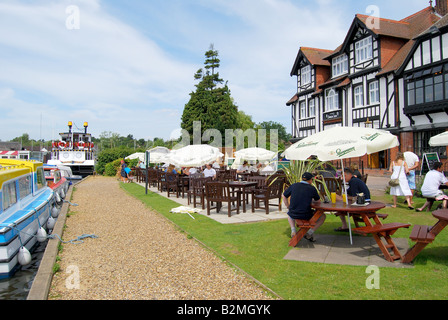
(197, 189)
(274, 190)
(219, 192)
(152, 177)
(171, 183)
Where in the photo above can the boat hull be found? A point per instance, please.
(21, 229)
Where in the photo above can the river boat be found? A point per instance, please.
(74, 150)
(57, 182)
(26, 205)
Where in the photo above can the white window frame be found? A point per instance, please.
(364, 49)
(358, 96)
(302, 109)
(340, 65)
(331, 100)
(311, 108)
(305, 75)
(374, 92)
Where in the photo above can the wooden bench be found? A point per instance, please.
(385, 231)
(424, 235)
(304, 226)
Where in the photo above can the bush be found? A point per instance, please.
(111, 155)
(112, 168)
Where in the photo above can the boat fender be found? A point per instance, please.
(41, 235)
(51, 222)
(24, 256)
(55, 212)
(62, 193)
(58, 197)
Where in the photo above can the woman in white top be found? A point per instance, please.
(399, 169)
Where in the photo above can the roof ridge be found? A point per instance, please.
(318, 49)
(418, 12)
(384, 19)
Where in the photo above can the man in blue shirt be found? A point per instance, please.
(298, 198)
(355, 186)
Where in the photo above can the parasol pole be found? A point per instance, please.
(346, 202)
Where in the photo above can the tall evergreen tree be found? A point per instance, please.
(211, 103)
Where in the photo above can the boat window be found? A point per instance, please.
(9, 194)
(24, 186)
(41, 182)
(57, 176)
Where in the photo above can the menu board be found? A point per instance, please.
(428, 161)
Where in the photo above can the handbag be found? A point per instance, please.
(395, 182)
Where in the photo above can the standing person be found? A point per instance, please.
(124, 175)
(413, 163)
(431, 184)
(399, 170)
(298, 198)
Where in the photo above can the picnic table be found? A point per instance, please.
(365, 213)
(424, 235)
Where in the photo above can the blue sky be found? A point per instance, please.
(129, 67)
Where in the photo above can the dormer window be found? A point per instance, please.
(305, 75)
(340, 65)
(363, 50)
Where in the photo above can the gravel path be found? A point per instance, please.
(138, 255)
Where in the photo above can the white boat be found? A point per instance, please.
(26, 206)
(74, 150)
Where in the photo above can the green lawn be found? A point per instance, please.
(259, 248)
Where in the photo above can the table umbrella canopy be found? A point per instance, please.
(439, 140)
(137, 155)
(252, 154)
(158, 154)
(194, 155)
(342, 143)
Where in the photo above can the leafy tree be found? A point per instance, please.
(211, 103)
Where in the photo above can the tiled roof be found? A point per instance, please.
(292, 100)
(420, 24)
(313, 55)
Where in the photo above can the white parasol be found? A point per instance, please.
(342, 143)
(439, 140)
(195, 155)
(253, 154)
(158, 154)
(137, 155)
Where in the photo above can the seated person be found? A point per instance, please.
(171, 169)
(268, 169)
(431, 184)
(243, 168)
(298, 198)
(209, 172)
(355, 186)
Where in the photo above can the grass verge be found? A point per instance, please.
(259, 248)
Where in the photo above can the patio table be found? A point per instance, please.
(241, 186)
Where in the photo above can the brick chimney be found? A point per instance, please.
(441, 7)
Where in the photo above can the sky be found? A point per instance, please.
(128, 67)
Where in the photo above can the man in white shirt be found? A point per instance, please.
(431, 184)
(413, 162)
(209, 171)
(243, 168)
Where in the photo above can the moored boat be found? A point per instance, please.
(57, 182)
(25, 208)
(74, 150)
